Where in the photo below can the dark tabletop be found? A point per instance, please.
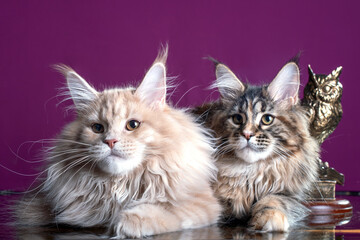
(347, 228)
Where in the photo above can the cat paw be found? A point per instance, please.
(132, 225)
(270, 220)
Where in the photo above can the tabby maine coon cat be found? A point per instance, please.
(267, 159)
(128, 162)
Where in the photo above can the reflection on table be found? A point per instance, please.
(349, 227)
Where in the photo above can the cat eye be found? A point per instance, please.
(97, 128)
(267, 119)
(238, 119)
(132, 125)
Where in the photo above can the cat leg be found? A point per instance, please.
(149, 219)
(276, 213)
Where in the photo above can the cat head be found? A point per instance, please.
(114, 128)
(325, 88)
(256, 120)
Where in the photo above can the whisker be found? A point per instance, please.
(51, 178)
(225, 148)
(87, 162)
(54, 177)
(176, 104)
(42, 172)
(18, 173)
(67, 152)
(23, 159)
(59, 140)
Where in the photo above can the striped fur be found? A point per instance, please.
(154, 179)
(265, 171)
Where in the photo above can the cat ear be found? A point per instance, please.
(285, 87)
(228, 84)
(80, 91)
(152, 89)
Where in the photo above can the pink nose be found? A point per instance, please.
(110, 142)
(248, 134)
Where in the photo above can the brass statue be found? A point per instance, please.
(322, 97)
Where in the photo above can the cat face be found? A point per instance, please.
(249, 125)
(117, 130)
(114, 127)
(256, 125)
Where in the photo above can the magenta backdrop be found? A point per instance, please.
(112, 43)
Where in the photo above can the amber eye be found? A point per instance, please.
(267, 119)
(132, 125)
(97, 128)
(238, 118)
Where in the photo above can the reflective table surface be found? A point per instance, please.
(334, 228)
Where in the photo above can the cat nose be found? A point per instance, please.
(110, 142)
(248, 134)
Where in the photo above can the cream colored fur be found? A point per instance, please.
(155, 179)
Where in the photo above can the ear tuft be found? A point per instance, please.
(162, 55)
(228, 84)
(285, 87)
(80, 91)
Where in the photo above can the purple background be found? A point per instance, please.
(112, 43)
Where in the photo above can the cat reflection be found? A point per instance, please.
(210, 233)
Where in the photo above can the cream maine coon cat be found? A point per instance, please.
(128, 162)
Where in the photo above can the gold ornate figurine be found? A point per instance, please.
(322, 97)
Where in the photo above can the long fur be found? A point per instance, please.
(267, 185)
(166, 187)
